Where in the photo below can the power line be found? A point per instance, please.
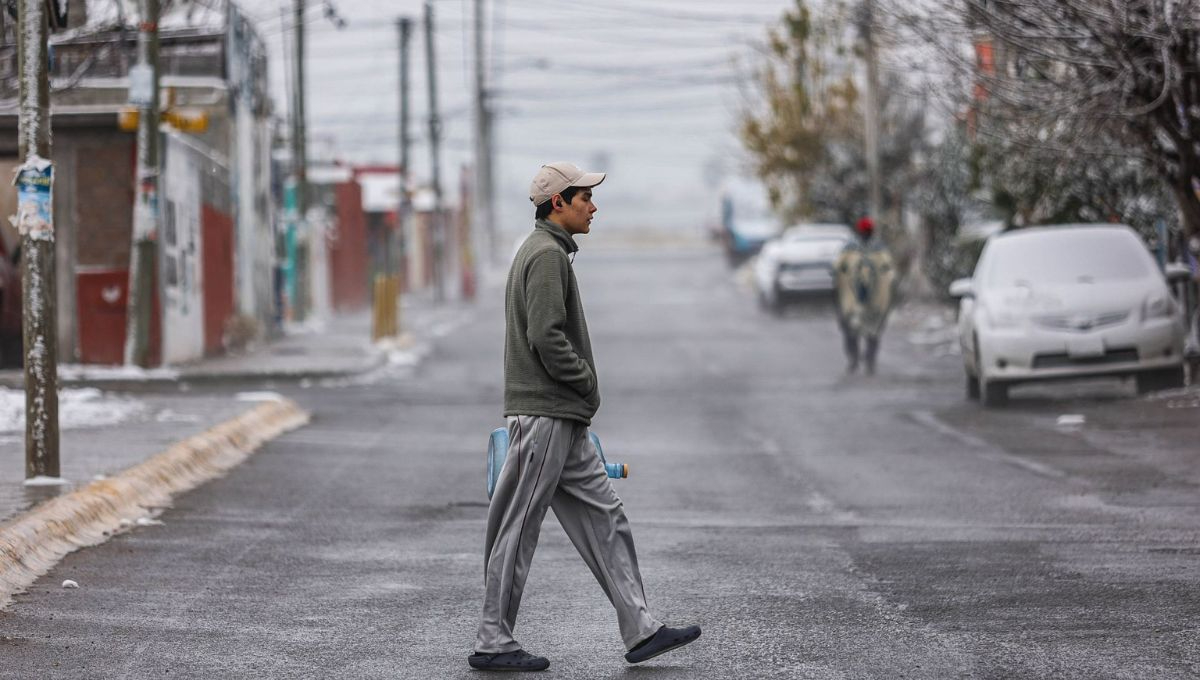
(647, 10)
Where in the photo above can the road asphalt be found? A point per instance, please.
(817, 525)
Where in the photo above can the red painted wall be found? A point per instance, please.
(348, 262)
(102, 296)
(216, 230)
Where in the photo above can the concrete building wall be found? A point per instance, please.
(180, 250)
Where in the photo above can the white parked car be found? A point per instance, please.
(798, 262)
(1067, 302)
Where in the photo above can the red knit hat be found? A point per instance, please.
(866, 225)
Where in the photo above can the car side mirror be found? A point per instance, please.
(962, 288)
(1177, 272)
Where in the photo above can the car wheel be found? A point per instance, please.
(991, 393)
(972, 387)
(1161, 379)
(775, 301)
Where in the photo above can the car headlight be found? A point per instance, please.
(1158, 306)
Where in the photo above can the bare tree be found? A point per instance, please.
(1079, 78)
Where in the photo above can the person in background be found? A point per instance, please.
(865, 275)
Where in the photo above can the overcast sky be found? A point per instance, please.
(646, 90)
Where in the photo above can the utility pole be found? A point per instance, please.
(484, 207)
(386, 297)
(300, 167)
(871, 105)
(404, 25)
(404, 214)
(35, 222)
(435, 135)
(143, 87)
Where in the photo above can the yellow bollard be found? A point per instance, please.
(385, 309)
(377, 331)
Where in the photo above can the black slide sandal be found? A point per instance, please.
(515, 661)
(662, 642)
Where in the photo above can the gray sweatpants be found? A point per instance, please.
(552, 463)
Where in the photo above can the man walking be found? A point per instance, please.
(865, 277)
(550, 396)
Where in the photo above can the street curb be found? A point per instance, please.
(33, 542)
(16, 380)
(291, 375)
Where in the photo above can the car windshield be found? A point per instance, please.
(1067, 256)
(816, 233)
(818, 244)
(756, 228)
(826, 237)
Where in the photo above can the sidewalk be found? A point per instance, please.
(130, 439)
(336, 347)
(103, 434)
(104, 431)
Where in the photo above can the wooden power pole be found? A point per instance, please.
(404, 25)
(143, 86)
(871, 105)
(35, 222)
(300, 166)
(485, 215)
(437, 224)
(404, 212)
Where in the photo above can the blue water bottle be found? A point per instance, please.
(498, 451)
(614, 470)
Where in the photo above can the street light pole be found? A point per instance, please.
(35, 222)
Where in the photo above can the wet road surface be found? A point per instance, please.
(817, 525)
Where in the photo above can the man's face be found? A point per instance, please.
(575, 217)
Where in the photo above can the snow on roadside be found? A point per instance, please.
(258, 396)
(77, 408)
(1182, 397)
(128, 373)
(934, 327)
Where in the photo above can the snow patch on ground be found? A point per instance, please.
(168, 416)
(42, 480)
(402, 352)
(259, 396)
(403, 358)
(933, 327)
(312, 326)
(77, 408)
(1184, 397)
(1071, 421)
(127, 373)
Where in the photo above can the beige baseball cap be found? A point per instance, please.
(554, 178)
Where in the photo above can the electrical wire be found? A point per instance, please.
(685, 68)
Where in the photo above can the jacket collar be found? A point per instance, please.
(564, 239)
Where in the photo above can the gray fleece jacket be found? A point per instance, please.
(548, 365)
